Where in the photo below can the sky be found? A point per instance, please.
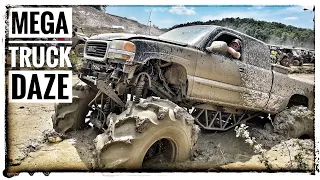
(167, 16)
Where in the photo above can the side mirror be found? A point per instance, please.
(218, 46)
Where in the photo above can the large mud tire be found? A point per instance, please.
(71, 116)
(131, 135)
(285, 62)
(296, 62)
(295, 122)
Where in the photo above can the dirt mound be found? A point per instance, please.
(96, 21)
(294, 122)
(290, 123)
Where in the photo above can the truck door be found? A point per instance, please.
(217, 78)
(256, 74)
(244, 83)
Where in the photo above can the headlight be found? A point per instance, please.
(119, 49)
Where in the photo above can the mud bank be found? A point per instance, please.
(294, 154)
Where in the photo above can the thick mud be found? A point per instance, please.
(221, 148)
(266, 138)
(75, 152)
(294, 122)
(293, 154)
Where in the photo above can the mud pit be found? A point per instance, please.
(30, 151)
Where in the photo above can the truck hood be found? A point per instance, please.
(126, 36)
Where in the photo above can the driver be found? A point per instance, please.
(234, 47)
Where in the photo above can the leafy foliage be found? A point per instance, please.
(269, 32)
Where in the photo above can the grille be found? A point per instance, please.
(96, 49)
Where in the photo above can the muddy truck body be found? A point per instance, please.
(182, 82)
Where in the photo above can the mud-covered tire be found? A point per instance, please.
(71, 116)
(79, 49)
(130, 135)
(296, 62)
(285, 62)
(295, 122)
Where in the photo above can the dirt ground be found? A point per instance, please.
(214, 151)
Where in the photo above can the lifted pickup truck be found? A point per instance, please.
(176, 75)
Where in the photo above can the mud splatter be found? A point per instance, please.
(181, 113)
(141, 124)
(162, 113)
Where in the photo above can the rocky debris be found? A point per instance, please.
(52, 136)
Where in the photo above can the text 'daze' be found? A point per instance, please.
(40, 86)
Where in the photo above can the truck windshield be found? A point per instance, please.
(188, 35)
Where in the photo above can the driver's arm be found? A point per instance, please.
(234, 53)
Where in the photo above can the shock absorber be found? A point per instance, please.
(107, 106)
(139, 88)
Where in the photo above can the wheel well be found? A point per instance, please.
(175, 73)
(298, 99)
(305, 136)
(163, 150)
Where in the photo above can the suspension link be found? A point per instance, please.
(219, 120)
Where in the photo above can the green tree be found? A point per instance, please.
(269, 32)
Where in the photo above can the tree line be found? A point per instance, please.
(269, 32)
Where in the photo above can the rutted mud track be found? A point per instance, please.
(77, 151)
(30, 151)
